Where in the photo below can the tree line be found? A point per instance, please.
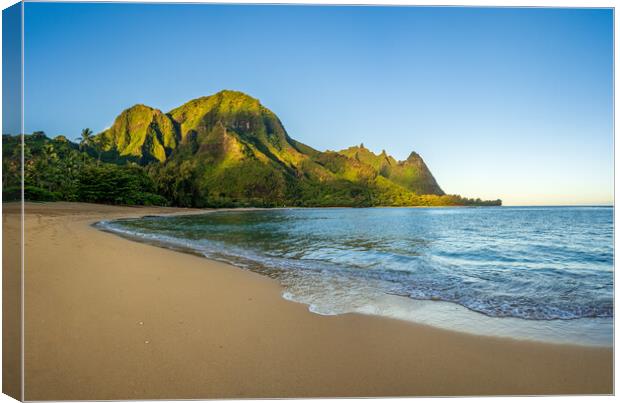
(89, 170)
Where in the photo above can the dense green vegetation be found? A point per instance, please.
(57, 169)
(225, 150)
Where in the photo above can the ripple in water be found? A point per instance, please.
(529, 263)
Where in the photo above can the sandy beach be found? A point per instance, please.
(109, 318)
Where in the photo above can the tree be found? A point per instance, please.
(86, 138)
(100, 143)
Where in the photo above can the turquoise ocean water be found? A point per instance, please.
(541, 273)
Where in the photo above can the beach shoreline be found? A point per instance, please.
(151, 322)
(438, 313)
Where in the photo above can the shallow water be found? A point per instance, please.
(529, 272)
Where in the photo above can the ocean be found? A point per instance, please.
(536, 273)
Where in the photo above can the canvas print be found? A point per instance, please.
(209, 201)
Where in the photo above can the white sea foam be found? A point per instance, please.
(455, 280)
(450, 316)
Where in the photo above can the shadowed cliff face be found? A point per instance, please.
(227, 147)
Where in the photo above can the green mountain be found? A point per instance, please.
(227, 149)
(141, 133)
(412, 173)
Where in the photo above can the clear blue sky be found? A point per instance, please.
(501, 103)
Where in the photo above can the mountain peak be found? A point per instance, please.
(229, 100)
(137, 107)
(233, 94)
(235, 109)
(142, 133)
(141, 109)
(413, 156)
(412, 174)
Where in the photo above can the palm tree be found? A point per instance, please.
(86, 138)
(101, 143)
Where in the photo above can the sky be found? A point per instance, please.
(510, 103)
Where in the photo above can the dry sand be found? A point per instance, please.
(108, 318)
